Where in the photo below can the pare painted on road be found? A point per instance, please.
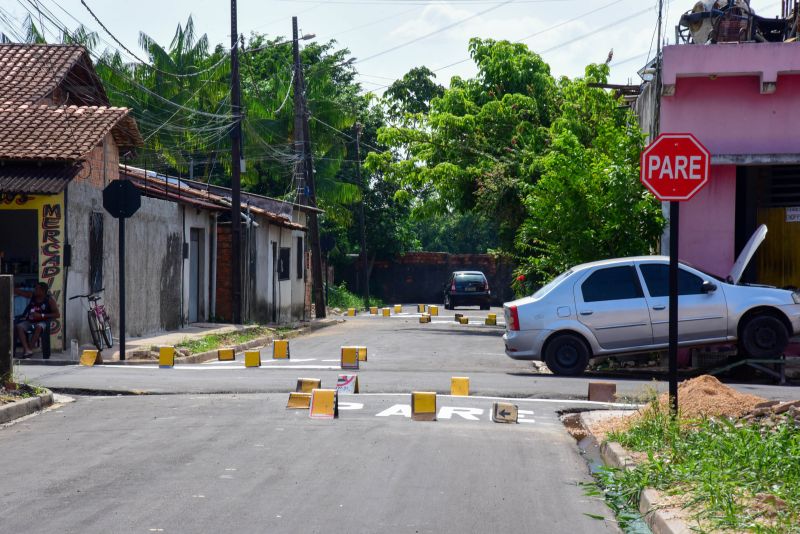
(454, 412)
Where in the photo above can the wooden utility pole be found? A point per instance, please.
(236, 175)
(361, 223)
(302, 139)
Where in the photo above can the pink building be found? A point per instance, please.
(742, 101)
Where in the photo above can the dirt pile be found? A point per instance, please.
(705, 396)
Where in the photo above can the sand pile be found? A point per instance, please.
(707, 396)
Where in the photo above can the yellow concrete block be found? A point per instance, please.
(420, 308)
(324, 404)
(504, 412)
(226, 355)
(457, 316)
(298, 401)
(252, 358)
(459, 386)
(347, 384)
(362, 353)
(425, 318)
(492, 316)
(280, 349)
(386, 312)
(373, 310)
(306, 385)
(423, 406)
(349, 358)
(490, 321)
(463, 320)
(166, 356)
(398, 308)
(90, 357)
(433, 310)
(351, 312)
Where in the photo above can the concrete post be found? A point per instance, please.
(6, 327)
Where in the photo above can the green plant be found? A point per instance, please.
(340, 297)
(215, 341)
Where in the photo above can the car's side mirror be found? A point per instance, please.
(708, 287)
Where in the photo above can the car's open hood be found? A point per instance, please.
(747, 254)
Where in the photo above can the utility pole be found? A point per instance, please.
(301, 119)
(236, 175)
(362, 229)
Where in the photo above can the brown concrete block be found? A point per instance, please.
(602, 391)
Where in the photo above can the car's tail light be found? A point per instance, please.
(453, 285)
(486, 286)
(513, 318)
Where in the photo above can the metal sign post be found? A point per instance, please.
(121, 199)
(674, 168)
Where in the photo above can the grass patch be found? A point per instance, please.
(730, 476)
(215, 341)
(340, 297)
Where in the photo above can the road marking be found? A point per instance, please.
(351, 406)
(515, 399)
(397, 409)
(470, 414)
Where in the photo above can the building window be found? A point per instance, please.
(95, 252)
(299, 254)
(284, 263)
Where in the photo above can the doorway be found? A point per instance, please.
(196, 259)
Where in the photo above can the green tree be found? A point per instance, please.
(413, 93)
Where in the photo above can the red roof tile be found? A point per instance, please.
(33, 178)
(61, 133)
(30, 72)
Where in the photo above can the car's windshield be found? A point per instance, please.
(696, 268)
(545, 289)
(469, 278)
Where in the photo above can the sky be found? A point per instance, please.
(389, 37)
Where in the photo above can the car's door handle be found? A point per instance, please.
(660, 307)
(587, 312)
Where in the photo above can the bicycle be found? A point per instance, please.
(99, 323)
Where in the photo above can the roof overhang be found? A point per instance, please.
(36, 178)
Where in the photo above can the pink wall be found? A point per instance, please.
(708, 223)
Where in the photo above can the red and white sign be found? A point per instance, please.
(675, 166)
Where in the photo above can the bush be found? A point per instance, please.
(340, 297)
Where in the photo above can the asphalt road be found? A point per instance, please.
(243, 463)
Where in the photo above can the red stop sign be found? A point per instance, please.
(675, 166)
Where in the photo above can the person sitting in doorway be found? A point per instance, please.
(41, 309)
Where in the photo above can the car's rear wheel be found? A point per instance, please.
(764, 336)
(567, 355)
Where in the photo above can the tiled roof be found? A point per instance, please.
(32, 178)
(30, 72)
(61, 133)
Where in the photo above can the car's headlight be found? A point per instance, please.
(796, 297)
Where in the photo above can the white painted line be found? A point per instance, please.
(509, 399)
(203, 367)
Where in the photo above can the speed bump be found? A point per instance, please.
(373, 310)
(398, 308)
(459, 386)
(423, 406)
(433, 310)
(91, 357)
(362, 353)
(166, 356)
(386, 312)
(351, 312)
(298, 401)
(252, 358)
(226, 354)
(504, 412)
(425, 318)
(280, 349)
(463, 320)
(347, 384)
(491, 319)
(324, 404)
(349, 358)
(420, 308)
(306, 385)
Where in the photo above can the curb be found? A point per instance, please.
(18, 409)
(660, 520)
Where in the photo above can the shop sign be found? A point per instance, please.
(793, 215)
(50, 217)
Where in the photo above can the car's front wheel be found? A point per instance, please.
(567, 355)
(764, 336)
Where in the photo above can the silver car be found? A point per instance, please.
(620, 306)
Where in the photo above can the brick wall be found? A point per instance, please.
(420, 276)
(224, 300)
(93, 171)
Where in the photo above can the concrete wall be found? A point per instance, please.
(157, 275)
